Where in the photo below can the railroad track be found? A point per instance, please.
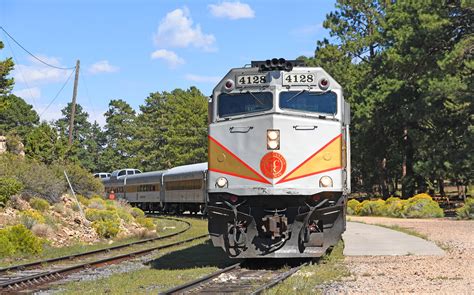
(237, 278)
(20, 277)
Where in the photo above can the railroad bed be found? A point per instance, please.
(31, 275)
(248, 277)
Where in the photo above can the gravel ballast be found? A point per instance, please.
(452, 273)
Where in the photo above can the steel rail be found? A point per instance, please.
(41, 278)
(93, 252)
(279, 279)
(190, 286)
(197, 282)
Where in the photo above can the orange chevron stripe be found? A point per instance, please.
(319, 161)
(222, 160)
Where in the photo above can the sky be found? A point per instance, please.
(129, 49)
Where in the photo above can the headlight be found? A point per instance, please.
(325, 181)
(273, 139)
(221, 182)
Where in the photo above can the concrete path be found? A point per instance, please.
(370, 240)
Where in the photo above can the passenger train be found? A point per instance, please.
(171, 191)
(278, 172)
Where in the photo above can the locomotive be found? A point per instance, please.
(279, 161)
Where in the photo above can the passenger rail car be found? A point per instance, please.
(279, 169)
(176, 190)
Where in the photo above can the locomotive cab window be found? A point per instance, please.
(231, 104)
(307, 101)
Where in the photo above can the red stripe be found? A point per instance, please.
(241, 176)
(262, 179)
(313, 173)
(284, 179)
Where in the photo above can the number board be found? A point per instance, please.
(251, 80)
(299, 79)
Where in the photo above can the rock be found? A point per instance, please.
(77, 220)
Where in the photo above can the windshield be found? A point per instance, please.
(304, 100)
(230, 104)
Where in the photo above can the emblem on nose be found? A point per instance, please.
(273, 165)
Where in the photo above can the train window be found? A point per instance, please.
(183, 185)
(230, 104)
(309, 101)
(148, 188)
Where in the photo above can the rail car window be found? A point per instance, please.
(183, 185)
(230, 104)
(148, 188)
(309, 101)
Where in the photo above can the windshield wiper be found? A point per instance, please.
(297, 94)
(256, 98)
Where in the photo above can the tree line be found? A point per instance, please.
(406, 68)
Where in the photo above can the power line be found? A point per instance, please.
(34, 56)
(59, 92)
(21, 73)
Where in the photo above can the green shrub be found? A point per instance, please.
(6, 247)
(106, 228)
(422, 206)
(97, 203)
(21, 240)
(39, 204)
(101, 215)
(83, 200)
(82, 181)
(59, 208)
(8, 187)
(124, 214)
(146, 222)
(31, 217)
(75, 207)
(351, 206)
(394, 207)
(137, 212)
(367, 208)
(466, 211)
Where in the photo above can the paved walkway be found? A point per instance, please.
(370, 240)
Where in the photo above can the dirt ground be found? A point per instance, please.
(449, 274)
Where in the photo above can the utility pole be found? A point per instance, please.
(73, 107)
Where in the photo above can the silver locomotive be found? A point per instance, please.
(279, 161)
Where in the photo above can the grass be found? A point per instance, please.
(404, 230)
(164, 227)
(310, 279)
(168, 268)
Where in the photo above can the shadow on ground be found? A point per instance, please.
(206, 255)
(201, 255)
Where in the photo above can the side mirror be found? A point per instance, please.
(347, 113)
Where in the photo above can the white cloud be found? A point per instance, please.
(171, 58)
(232, 10)
(103, 66)
(40, 73)
(202, 79)
(176, 30)
(28, 93)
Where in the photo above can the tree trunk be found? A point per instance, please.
(408, 181)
